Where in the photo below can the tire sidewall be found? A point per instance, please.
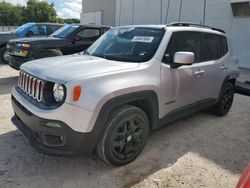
(2, 52)
(111, 128)
(230, 86)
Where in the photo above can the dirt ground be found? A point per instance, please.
(200, 151)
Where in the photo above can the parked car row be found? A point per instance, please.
(26, 30)
(67, 40)
(130, 81)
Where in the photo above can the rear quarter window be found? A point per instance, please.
(214, 47)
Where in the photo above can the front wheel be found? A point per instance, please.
(225, 101)
(125, 135)
(3, 53)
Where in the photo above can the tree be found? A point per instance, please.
(11, 15)
(71, 20)
(37, 11)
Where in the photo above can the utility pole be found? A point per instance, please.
(120, 13)
(204, 12)
(166, 19)
(180, 11)
(161, 11)
(133, 13)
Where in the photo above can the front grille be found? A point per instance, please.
(31, 86)
(10, 47)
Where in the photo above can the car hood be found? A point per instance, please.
(37, 39)
(66, 68)
(5, 36)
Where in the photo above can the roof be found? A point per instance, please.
(91, 25)
(45, 23)
(182, 27)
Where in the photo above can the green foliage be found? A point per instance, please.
(10, 14)
(35, 11)
(71, 20)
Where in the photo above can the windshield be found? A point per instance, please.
(22, 30)
(127, 44)
(65, 31)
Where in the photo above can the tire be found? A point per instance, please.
(124, 137)
(224, 104)
(3, 50)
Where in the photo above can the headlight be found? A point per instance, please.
(22, 53)
(58, 92)
(25, 45)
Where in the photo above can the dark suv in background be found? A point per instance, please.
(68, 40)
(26, 30)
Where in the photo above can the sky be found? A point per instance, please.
(64, 8)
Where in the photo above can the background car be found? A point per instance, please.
(26, 30)
(69, 39)
(244, 181)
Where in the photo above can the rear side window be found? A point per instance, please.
(89, 33)
(53, 28)
(214, 47)
(184, 41)
(224, 45)
(43, 30)
(211, 47)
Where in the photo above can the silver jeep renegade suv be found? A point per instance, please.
(131, 81)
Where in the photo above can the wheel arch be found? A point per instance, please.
(47, 53)
(231, 79)
(145, 100)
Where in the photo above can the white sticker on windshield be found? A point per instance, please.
(143, 39)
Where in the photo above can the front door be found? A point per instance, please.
(83, 39)
(181, 87)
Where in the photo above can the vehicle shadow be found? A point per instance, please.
(6, 84)
(225, 141)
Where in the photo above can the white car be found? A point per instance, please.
(130, 81)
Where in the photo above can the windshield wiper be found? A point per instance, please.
(85, 52)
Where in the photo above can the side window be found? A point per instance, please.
(53, 28)
(43, 30)
(89, 33)
(34, 30)
(184, 41)
(211, 47)
(224, 45)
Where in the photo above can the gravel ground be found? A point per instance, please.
(200, 151)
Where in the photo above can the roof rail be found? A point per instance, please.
(187, 24)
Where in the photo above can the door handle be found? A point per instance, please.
(224, 67)
(199, 73)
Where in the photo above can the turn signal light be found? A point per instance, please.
(77, 93)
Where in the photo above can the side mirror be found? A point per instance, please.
(77, 38)
(182, 58)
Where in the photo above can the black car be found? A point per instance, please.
(69, 39)
(26, 30)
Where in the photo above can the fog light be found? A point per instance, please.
(52, 140)
(54, 125)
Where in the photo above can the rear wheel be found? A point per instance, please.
(3, 53)
(125, 135)
(225, 101)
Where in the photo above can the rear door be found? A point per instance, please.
(214, 64)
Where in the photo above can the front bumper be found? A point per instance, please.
(52, 140)
(15, 62)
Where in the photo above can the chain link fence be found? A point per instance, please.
(7, 28)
